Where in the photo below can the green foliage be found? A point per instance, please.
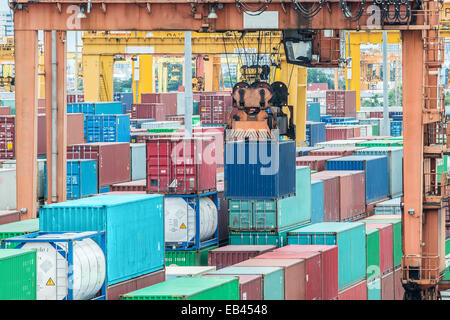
(318, 76)
(120, 85)
(373, 101)
(395, 96)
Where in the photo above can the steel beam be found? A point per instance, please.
(26, 121)
(48, 110)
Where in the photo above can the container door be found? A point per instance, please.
(265, 213)
(158, 165)
(241, 214)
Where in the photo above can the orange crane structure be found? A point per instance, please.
(305, 26)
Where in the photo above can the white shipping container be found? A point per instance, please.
(7, 189)
(181, 271)
(41, 174)
(137, 161)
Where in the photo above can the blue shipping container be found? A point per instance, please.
(314, 111)
(258, 170)
(317, 201)
(95, 107)
(303, 151)
(315, 132)
(350, 237)
(126, 98)
(107, 128)
(81, 178)
(134, 225)
(376, 172)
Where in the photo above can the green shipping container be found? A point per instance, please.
(17, 274)
(188, 257)
(447, 260)
(272, 279)
(373, 253)
(189, 288)
(278, 239)
(374, 289)
(380, 143)
(350, 237)
(396, 237)
(274, 215)
(18, 228)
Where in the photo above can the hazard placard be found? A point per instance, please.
(183, 226)
(50, 282)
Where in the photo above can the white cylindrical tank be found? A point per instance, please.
(179, 219)
(89, 268)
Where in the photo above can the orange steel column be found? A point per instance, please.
(48, 108)
(412, 75)
(25, 61)
(61, 96)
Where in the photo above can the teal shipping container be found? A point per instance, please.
(274, 215)
(350, 237)
(395, 166)
(374, 289)
(317, 201)
(272, 278)
(278, 239)
(134, 225)
(9, 103)
(314, 111)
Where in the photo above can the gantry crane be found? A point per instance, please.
(425, 130)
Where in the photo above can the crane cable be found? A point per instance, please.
(251, 12)
(347, 12)
(228, 64)
(308, 13)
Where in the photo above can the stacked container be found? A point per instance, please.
(156, 111)
(315, 132)
(341, 103)
(316, 163)
(229, 255)
(7, 137)
(107, 128)
(214, 108)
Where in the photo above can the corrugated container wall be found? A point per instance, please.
(335, 151)
(137, 161)
(330, 195)
(188, 257)
(133, 224)
(355, 292)
(316, 163)
(270, 166)
(317, 201)
(388, 207)
(387, 286)
(19, 228)
(229, 255)
(350, 237)
(386, 246)
(372, 253)
(375, 169)
(315, 132)
(107, 128)
(18, 274)
(7, 137)
(9, 216)
(115, 291)
(250, 286)
(8, 189)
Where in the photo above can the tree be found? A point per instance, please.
(395, 96)
(318, 76)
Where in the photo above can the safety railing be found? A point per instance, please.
(420, 269)
(436, 186)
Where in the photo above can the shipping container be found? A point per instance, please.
(250, 286)
(223, 214)
(317, 201)
(9, 216)
(375, 169)
(274, 215)
(340, 143)
(181, 165)
(113, 160)
(130, 186)
(317, 163)
(19, 228)
(333, 132)
(380, 143)
(399, 291)
(107, 128)
(396, 235)
(137, 161)
(156, 111)
(126, 98)
(395, 166)
(341, 103)
(188, 257)
(5, 111)
(8, 189)
(372, 253)
(189, 288)
(313, 111)
(232, 254)
(191, 271)
(214, 108)
(250, 164)
(115, 291)
(18, 274)
(134, 226)
(389, 207)
(355, 292)
(315, 132)
(278, 239)
(386, 246)
(374, 289)
(40, 175)
(387, 286)
(335, 151)
(7, 137)
(331, 195)
(350, 237)
(328, 265)
(272, 279)
(304, 151)
(295, 276)
(109, 107)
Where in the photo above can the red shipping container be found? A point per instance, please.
(41, 103)
(387, 286)
(386, 246)
(317, 163)
(175, 118)
(181, 165)
(352, 194)
(213, 109)
(72, 98)
(7, 137)
(329, 265)
(151, 97)
(9, 216)
(115, 291)
(137, 185)
(335, 151)
(218, 134)
(229, 255)
(250, 285)
(113, 160)
(155, 111)
(399, 291)
(355, 292)
(169, 100)
(341, 103)
(295, 275)
(376, 114)
(5, 111)
(331, 195)
(338, 132)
